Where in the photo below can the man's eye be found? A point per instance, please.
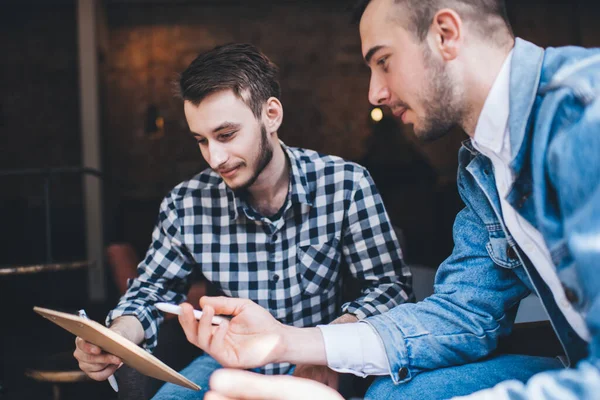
(226, 136)
(381, 61)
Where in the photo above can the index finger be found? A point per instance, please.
(224, 305)
(250, 386)
(215, 396)
(243, 385)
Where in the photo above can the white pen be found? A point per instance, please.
(111, 379)
(173, 309)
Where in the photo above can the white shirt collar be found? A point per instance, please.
(491, 125)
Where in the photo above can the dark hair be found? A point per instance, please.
(420, 13)
(236, 66)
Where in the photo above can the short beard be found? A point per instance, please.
(441, 103)
(265, 155)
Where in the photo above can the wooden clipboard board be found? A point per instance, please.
(113, 343)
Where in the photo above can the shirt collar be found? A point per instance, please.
(491, 130)
(298, 189)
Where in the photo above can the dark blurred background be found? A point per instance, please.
(145, 148)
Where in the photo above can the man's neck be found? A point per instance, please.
(480, 78)
(269, 192)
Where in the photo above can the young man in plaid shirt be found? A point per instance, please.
(267, 222)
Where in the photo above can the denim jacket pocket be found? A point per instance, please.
(500, 252)
(318, 267)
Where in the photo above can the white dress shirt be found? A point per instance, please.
(358, 349)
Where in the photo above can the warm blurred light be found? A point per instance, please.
(155, 123)
(160, 123)
(152, 116)
(376, 114)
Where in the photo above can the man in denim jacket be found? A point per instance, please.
(529, 176)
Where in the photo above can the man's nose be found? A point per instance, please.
(218, 155)
(378, 91)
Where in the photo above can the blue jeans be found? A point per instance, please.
(461, 380)
(199, 372)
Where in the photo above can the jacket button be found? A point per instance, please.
(510, 252)
(570, 295)
(402, 373)
(523, 199)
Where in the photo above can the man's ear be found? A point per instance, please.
(446, 34)
(272, 114)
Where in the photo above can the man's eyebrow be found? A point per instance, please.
(371, 52)
(226, 125)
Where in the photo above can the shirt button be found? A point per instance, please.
(402, 373)
(522, 201)
(275, 237)
(275, 278)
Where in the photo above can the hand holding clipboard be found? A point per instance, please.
(113, 343)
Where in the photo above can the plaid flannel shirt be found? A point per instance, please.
(333, 222)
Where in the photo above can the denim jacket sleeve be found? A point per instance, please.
(572, 168)
(472, 306)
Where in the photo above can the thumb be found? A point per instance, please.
(224, 305)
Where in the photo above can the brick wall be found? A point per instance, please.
(324, 86)
(324, 82)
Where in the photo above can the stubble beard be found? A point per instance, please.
(265, 155)
(442, 102)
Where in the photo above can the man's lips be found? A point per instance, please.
(228, 172)
(398, 111)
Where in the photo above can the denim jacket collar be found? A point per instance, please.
(525, 75)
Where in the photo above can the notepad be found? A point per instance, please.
(113, 343)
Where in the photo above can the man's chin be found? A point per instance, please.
(237, 185)
(430, 135)
(233, 185)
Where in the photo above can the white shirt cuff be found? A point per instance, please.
(354, 348)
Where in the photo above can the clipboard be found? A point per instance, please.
(113, 343)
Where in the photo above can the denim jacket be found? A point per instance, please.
(554, 128)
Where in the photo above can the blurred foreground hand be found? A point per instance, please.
(318, 373)
(230, 384)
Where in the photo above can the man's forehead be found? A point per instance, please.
(215, 113)
(222, 99)
(374, 25)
